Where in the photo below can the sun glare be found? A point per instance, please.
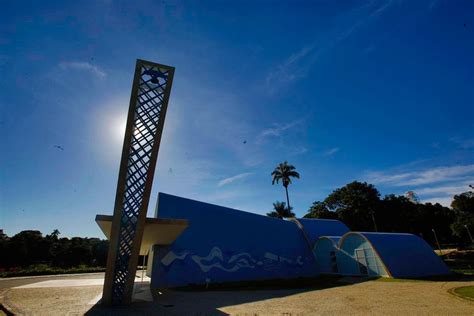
(118, 128)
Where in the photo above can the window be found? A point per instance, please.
(360, 256)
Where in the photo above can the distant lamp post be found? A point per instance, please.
(437, 242)
(373, 219)
(469, 233)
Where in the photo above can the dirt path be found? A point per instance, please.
(51, 301)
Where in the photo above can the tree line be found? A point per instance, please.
(30, 247)
(360, 206)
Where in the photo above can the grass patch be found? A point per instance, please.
(466, 292)
(393, 280)
(4, 311)
(42, 269)
(456, 276)
(464, 271)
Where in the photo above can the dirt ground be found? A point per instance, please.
(370, 297)
(51, 301)
(373, 297)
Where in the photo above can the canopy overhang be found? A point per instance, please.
(158, 231)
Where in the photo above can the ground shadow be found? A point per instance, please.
(202, 300)
(207, 299)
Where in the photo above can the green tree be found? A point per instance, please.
(396, 213)
(434, 216)
(355, 204)
(285, 172)
(463, 207)
(28, 247)
(320, 210)
(359, 206)
(281, 211)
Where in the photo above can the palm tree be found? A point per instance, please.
(285, 172)
(54, 235)
(280, 210)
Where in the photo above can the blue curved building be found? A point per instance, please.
(356, 255)
(325, 252)
(191, 242)
(395, 255)
(222, 245)
(388, 254)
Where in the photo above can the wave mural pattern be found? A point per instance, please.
(215, 259)
(226, 245)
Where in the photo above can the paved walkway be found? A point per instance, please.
(370, 297)
(62, 283)
(6, 283)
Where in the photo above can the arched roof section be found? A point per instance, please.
(315, 228)
(325, 250)
(333, 239)
(404, 255)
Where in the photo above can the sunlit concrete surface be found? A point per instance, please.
(141, 291)
(72, 282)
(62, 283)
(62, 294)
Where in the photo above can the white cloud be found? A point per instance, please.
(297, 65)
(434, 185)
(464, 143)
(446, 189)
(84, 66)
(299, 150)
(233, 179)
(290, 69)
(331, 151)
(382, 8)
(443, 200)
(427, 176)
(276, 131)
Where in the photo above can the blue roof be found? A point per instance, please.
(315, 228)
(335, 239)
(406, 255)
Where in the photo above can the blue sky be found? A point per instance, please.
(378, 91)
